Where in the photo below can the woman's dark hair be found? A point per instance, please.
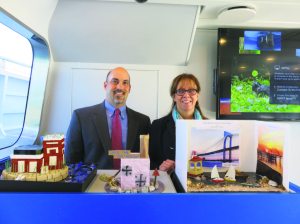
(189, 77)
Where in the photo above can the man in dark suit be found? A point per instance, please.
(89, 134)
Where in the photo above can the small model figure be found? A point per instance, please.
(215, 177)
(230, 175)
(155, 174)
(195, 166)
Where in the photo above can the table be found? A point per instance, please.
(98, 186)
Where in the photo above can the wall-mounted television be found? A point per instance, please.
(258, 74)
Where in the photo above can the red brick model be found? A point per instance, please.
(53, 147)
(36, 159)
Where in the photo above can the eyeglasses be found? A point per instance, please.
(181, 92)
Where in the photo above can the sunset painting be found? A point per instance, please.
(270, 152)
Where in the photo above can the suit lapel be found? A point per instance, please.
(100, 122)
(132, 129)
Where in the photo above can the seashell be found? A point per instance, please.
(272, 183)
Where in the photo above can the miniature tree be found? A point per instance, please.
(7, 166)
(155, 174)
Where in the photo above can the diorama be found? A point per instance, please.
(134, 175)
(42, 168)
(232, 156)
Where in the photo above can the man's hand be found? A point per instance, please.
(167, 165)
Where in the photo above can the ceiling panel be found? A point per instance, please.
(119, 32)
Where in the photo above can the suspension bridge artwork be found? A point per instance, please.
(217, 146)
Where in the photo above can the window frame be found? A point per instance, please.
(37, 82)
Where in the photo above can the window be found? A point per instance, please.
(32, 167)
(21, 166)
(24, 63)
(15, 70)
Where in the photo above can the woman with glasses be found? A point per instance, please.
(184, 91)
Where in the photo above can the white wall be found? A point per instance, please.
(66, 89)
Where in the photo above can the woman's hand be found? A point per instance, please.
(167, 165)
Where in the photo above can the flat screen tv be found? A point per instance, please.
(258, 74)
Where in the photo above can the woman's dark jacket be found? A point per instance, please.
(162, 141)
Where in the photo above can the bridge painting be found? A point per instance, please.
(217, 146)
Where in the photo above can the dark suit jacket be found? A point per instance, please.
(162, 141)
(88, 138)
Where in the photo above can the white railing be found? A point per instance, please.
(14, 83)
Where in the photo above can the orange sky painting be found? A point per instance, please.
(270, 140)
